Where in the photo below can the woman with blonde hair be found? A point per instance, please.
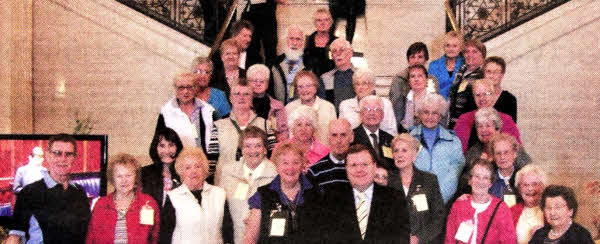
(195, 210)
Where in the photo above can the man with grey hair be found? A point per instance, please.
(369, 133)
(335, 85)
(288, 64)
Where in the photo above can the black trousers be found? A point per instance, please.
(262, 16)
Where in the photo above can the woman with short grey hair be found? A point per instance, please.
(264, 105)
(441, 154)
(303, 123)
(363, 82)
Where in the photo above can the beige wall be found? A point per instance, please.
(104, 61)
(16, 67)
(553, 71)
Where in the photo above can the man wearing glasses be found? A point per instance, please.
(52, 210)
(368, 133)
(187, 115)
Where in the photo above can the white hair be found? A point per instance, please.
(303, 112)
(433, 99)
(370, 98)
(258, 71)
(530, 168)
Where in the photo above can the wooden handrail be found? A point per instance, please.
(451, 16)
(221, 34)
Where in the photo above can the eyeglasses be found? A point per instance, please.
(202, 72)
(57, 153)
(239, 94)
(485, 94)
(183, 88)
(376, 109)
(256, 80)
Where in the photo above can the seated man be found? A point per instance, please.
(335, 85)
(287, 65)
(363, 211)
(187, 115)
(369, 133)
(52, 210)
(331, 168)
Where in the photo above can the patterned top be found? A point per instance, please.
(121, 228)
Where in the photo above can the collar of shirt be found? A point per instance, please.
(48, 180)
(299, 200)
(242, 63)
(368, 193)
(369, 135)
(505, 179)
(255, 172)
(335, 160)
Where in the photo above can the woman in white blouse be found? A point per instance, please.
(363, 81)
(305, 87)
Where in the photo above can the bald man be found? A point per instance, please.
(331, 168)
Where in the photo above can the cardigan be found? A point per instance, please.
(575, 234)
(232, 176)
(104, 218)
(502, 229)
(325, 114)
(466, 122)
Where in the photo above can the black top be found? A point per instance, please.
(428, 224)
(325, 172)
(507, 103)
(219, 80)
(63, 215)
(152, 181)
(317, 58)
(388, 219)
(575, 234)
(462, 101)
(262, 106)
(299, 218)
(384, 140)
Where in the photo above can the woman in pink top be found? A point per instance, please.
(464, 128)
(480, 215)
(303, 124)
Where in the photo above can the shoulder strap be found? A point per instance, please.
(490, 222)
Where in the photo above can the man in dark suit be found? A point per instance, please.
(363, 212)
(369, 134)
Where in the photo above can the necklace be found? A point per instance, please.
(555, 235)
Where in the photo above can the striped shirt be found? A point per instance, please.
(326, 171)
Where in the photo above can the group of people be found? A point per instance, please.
(303, 151)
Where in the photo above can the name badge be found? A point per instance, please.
(241, 191)
(464, 231)
(277, 224)
(510, 200)
(387, 152)
(147, 215)
(420, 202)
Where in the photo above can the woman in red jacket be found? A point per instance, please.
(481, 215)
(127, 215)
